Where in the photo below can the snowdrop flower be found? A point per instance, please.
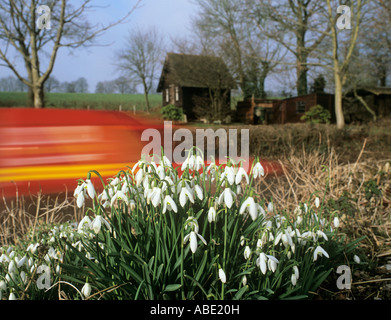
(12, 296)
(317, 202)
(11, 267)
(90, 188)
(86, 290)
(199, 192)
(270, 207)
(21, 262)
(239, 176)
(156, 196)
(296, 272)
(119, 195)
(168, 203)
(80, 200)
(3, 285)
(228, 196)
(322, 234)
(84, 224)
(261, 262)
(336, 222)
(319, 251)
(247, 252)
(356, 259)
(250, 206)
(229, 174)
(272, 263)
(222, 276)
(97, 224)
(185, 195)
(258, 170)
(193, 240)
(244, 280)
(139, 176)
(211, 214)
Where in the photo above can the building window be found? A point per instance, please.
(300, 107)
(176, 93)
(167, 95)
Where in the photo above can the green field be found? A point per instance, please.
(98, 101)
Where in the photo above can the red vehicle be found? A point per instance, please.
(48, 150)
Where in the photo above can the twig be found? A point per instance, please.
(371, 281)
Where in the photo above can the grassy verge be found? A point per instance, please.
(83, 100)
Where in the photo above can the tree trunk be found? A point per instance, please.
(338, 101)
(38, 97)
(301, 83)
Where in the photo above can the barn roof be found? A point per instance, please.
(196, 71)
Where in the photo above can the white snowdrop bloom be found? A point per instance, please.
(165, 162)
(336, 222)
(97, 224)
(84, 224)
(228, 196)
(242, 241)
(86, 290)
(261, 262)
(261, 211)
(80, 200)
(119, 196)
(278, 238)
(240, 175)
(3, 285)
(198, 163)
(322, 234)
(199, 192)
(293, 279)
(193, 240)
(21, 262)
(250, 206)
(12, 296)
(11, 267)
(247, 252)
(319, 251)
(185, 195)
(258, 170)
(356, 259)
(90, 188)
(115, 181)
(317, 202)
(222, 276)
(296, 272)
(212, 214)
(272, 263)
(228, 174)
(169, 204)
(244, 280)
(156, 196)
(139, 177)
(270, 207)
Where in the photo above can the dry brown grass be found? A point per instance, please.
(22, 215)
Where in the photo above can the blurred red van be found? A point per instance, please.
(48, 150)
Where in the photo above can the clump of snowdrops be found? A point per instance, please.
(194, 232)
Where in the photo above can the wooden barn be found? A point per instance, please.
(198, 84)
(377, 99)
(256, 111)
(289, 110)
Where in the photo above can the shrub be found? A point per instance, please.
(317, 114)
(171, 112)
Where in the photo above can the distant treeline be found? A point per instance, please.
(120, 85)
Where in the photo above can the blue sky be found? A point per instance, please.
(170, 17)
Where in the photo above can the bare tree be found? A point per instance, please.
(295, 24)
(345, 39)
(248, 53)
(25, 28)
(141, 58)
